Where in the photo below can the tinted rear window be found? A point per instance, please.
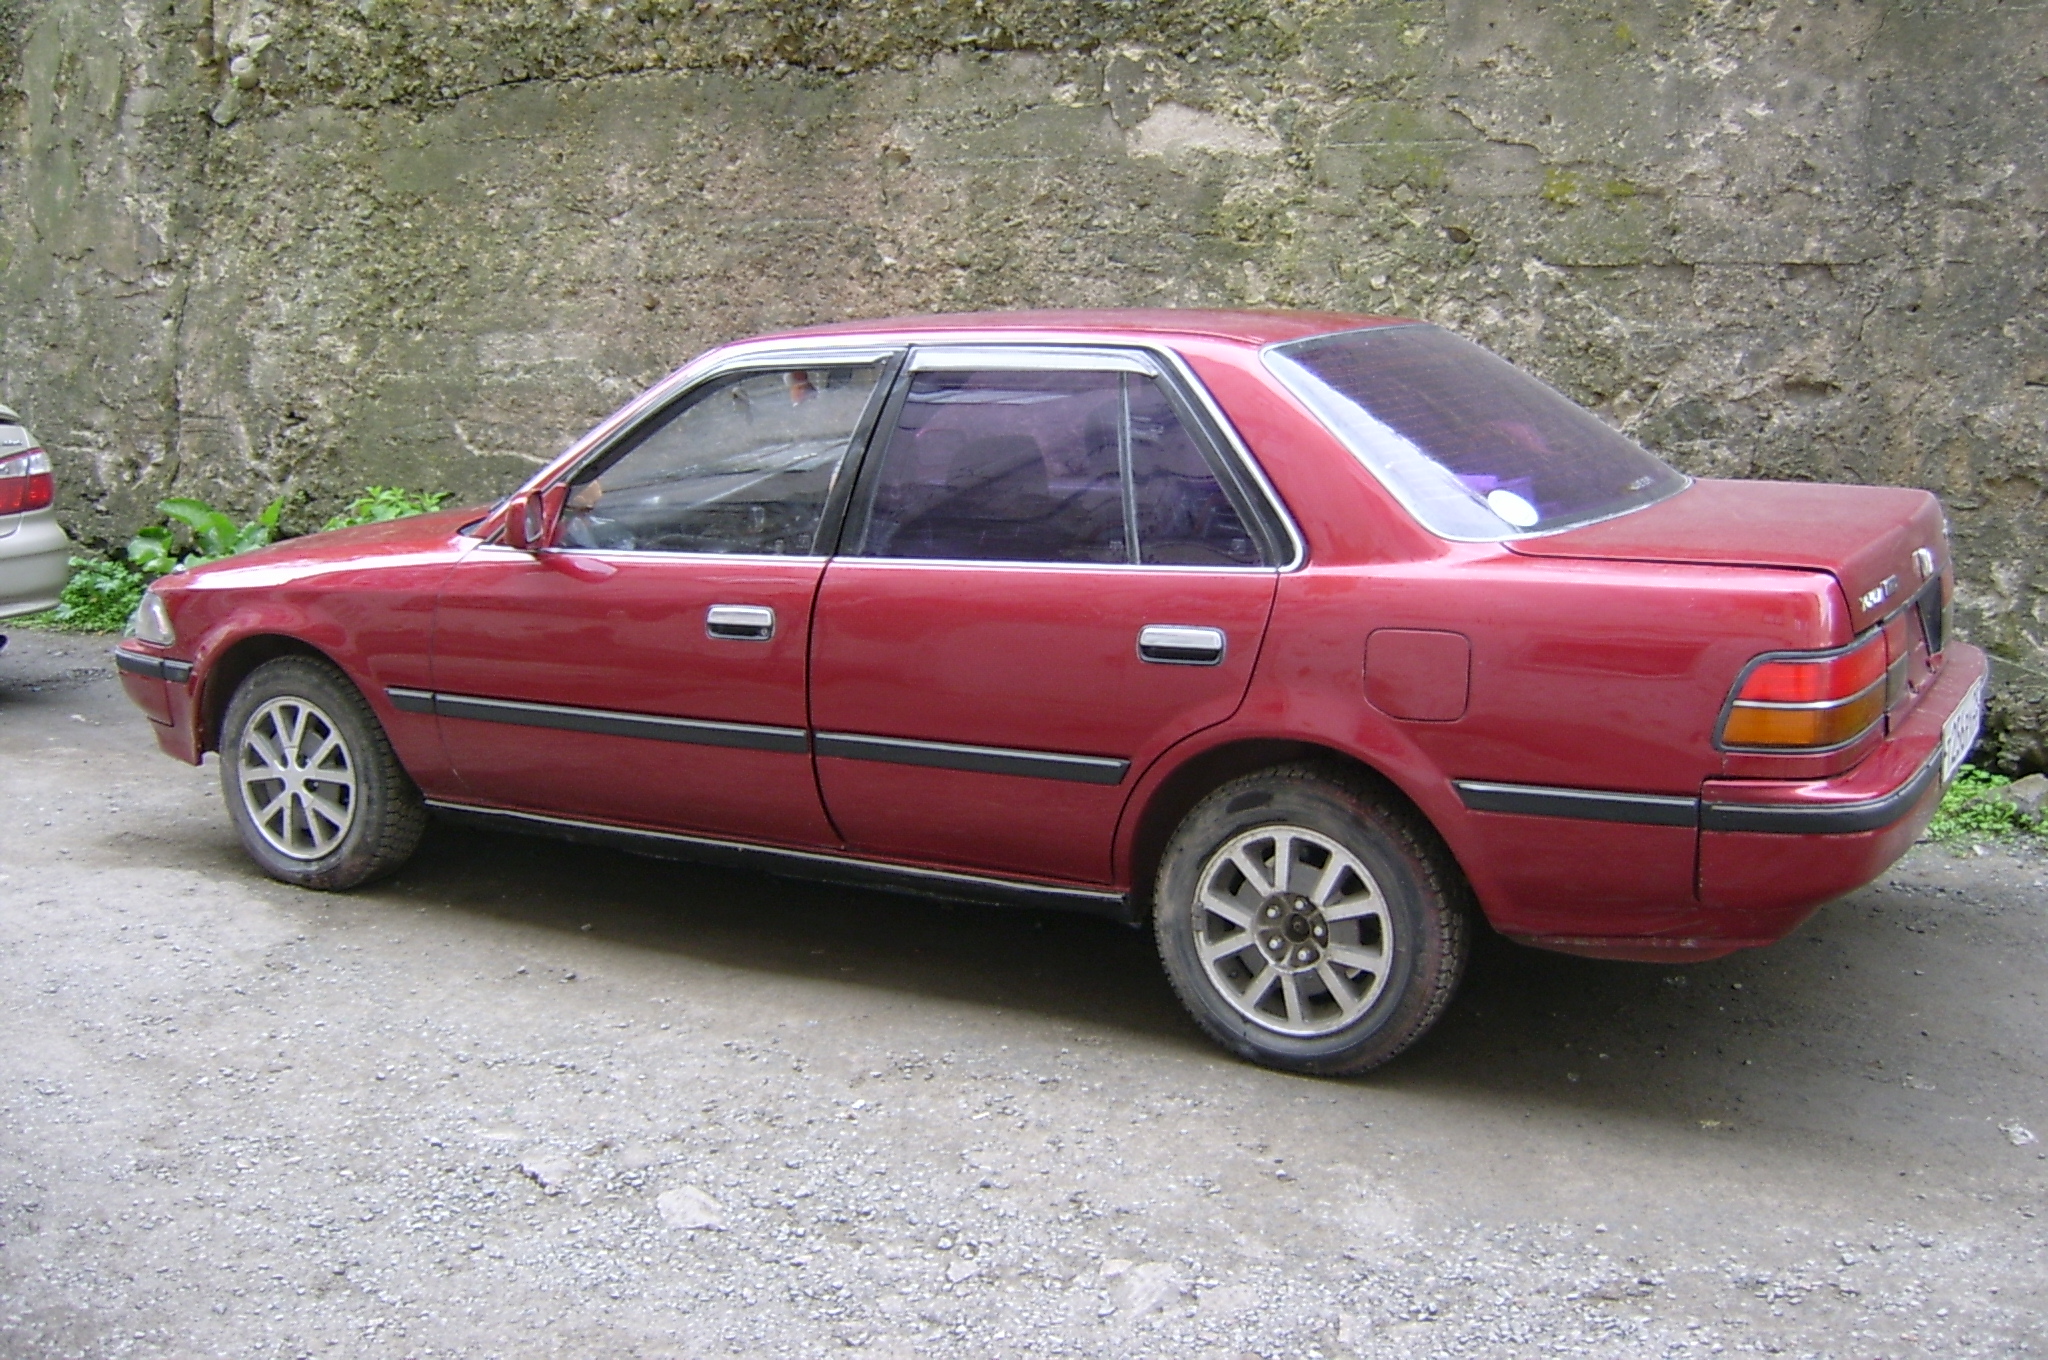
(1474, 447)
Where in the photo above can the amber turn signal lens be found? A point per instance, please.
(1812, 728)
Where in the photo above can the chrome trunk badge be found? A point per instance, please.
(1878, 593)
(1923, 562)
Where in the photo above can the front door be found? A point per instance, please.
(648, 666)
(1045, 585)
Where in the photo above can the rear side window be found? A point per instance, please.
(1003, 466)
(1048, 466)
(1183, 516)
(1474, 447)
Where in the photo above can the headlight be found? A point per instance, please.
(152, 622)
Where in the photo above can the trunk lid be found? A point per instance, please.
(1881, 544)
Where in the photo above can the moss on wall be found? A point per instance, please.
(255, 246)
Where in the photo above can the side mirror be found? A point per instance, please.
(530, 518)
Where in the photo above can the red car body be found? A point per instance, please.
(1553, 705)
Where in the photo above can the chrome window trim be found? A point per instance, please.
(719, 363)
(746, 357)
(754, 354)
(1011, 564)
(1165, 364)
(1133, 357)
(1030, 358)
(624, 555)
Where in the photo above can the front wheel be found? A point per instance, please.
(1309, 921)
(315, 791)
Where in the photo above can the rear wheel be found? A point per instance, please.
(315, 791)
(1309, 921)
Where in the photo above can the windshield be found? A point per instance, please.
(1475, 448)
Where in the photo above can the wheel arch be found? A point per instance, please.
(232, 666)
(1192, 779)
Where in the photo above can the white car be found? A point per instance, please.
(35, 554)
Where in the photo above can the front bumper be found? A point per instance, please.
(161, 686)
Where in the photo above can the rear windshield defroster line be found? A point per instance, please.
(1476, 449)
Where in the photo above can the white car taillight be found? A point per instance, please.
(25, 483)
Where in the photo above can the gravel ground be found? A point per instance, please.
(534, 1100)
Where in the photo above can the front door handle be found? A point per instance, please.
(743, 622)
(1172, 644)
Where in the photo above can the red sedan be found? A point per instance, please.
(1309, 639)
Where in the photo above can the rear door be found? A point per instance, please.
(1052, 572)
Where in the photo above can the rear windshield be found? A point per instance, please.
(1474, 447)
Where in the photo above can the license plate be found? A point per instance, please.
(1959, 733)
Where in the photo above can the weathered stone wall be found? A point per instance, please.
(253, 246)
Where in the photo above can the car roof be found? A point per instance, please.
(1252, 328)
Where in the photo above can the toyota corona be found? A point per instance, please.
(1317, 643)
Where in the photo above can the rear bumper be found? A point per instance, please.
(1772, 851)
(35, 562)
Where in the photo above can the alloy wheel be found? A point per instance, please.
(1292, 930)
(297, 776)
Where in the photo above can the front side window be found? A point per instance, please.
(742, 464)
(1048, 466)
(1475, 448)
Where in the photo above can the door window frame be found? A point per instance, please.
(662, 401)
(1237, 473)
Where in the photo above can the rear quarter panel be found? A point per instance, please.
(1583, 675)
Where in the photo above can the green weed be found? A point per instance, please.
(1970, 810)
(195, 532)
(99, 598)
(380, 503)
(102, 593)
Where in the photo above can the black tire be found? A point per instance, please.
(1370, 975)
(311, 783)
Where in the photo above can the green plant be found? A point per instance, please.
(208, 535)
(380, 503)
(1970, 809)
(102, 593)
(99, 598)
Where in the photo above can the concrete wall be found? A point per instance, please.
(253, 246)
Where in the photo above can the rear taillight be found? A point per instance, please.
(1812, 702)
(25, 483)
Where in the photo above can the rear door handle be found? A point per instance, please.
(1172, 644)
(743, 622)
